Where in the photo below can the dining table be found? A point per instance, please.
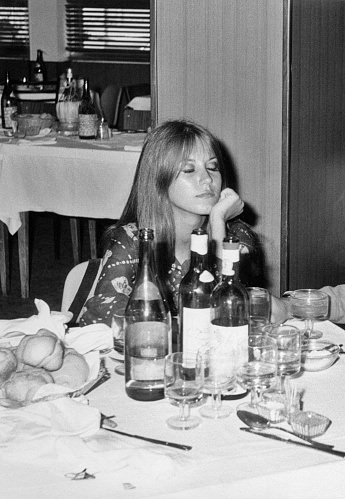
(63, 175)
(223, 462)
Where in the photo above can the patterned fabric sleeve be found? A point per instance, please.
(116, 281)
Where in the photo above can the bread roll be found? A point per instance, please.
(43, 349)
(74, 370)
(23, 385)
(8, 364)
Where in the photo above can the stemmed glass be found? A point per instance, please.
(288, 340)
(310, 305)
(219, 375)
(257, 367)
(259, 309)
(183, 382)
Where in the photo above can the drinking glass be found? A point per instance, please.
(219, 375)
(310, 305)
(259, 309)
(183, 382)
(288, 340)
(257, 367)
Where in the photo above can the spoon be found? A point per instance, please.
(260, 423)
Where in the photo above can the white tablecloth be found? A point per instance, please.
(70, 178)
(224, 462)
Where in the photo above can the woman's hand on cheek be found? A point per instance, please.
(228, 206)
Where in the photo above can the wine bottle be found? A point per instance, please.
(40, 73)
(229, 301)
(8, 103)
(147, 329)
(87, 114)
(194, 298)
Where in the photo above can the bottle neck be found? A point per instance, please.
(230, 264)
(86, 90)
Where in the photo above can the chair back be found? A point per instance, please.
(110, 103)
(79, 286)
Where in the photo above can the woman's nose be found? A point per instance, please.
(205, 177)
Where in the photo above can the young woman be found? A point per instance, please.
(180, 185)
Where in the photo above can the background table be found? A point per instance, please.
(73, 178)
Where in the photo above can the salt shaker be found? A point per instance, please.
(103, 130)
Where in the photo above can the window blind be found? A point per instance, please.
(108, 29)
(14, 29)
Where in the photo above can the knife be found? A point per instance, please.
(152, 440)
(289, 441)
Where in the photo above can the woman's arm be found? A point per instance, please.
(229, 205)
(115, 283)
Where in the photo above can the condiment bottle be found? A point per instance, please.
(147, 329)
(194, 298)
(87, 114)
(229, 301)
(8, 103)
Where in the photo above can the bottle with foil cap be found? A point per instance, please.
(194, 298)
(87, 114)
(147, 329)
(40, 73)
(229, 301)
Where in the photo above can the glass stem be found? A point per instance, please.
(280, 384)
(184, 411)
(255, 395)
(216, 400)
(309, 327)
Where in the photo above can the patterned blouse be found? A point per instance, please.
(117, 278)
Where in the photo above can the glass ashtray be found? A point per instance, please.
(309, 424)
(318, 355)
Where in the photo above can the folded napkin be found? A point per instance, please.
(14, 329)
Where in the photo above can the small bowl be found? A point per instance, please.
(31, 124)
(318, 355)
(309, 424)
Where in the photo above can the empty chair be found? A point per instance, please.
(79, 286)
(110, 103)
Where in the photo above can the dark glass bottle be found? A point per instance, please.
(147, 329)
(194, 297)
(229, 301)
(8, 103)
(87, 114)
(40, 72)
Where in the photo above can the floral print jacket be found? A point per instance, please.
(117, 278)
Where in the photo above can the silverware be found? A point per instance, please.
(300, 444)
(152, 440)
(260, 423)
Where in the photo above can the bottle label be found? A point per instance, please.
(8, 111)
(196, 330)
(38, 77)
(227, 339)
(206, 276)
(146, 345)
(87, 125)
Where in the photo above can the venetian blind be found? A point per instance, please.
(14, 29)
(108, 29)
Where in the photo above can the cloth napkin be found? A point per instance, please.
(63, 435)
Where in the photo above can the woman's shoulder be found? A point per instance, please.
(125, 233)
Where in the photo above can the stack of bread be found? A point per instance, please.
(39, 359)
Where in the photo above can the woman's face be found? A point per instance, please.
(197, 186)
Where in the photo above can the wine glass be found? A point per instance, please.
(259, 309)
(183, 382)
(288, 340)
(310, 305)
(257, 367)
(219, 375)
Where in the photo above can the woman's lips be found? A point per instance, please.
(206, 195)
